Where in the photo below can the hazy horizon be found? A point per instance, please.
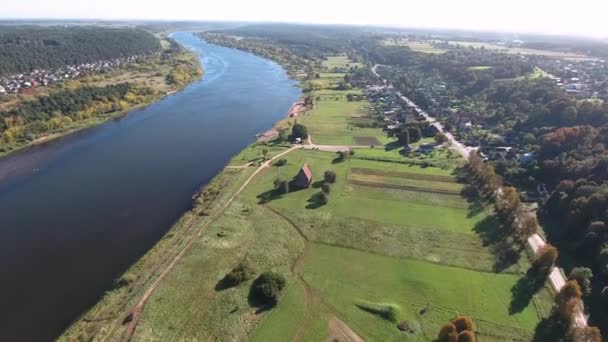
(585, 18)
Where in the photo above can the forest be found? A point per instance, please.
(25, 48)
(59, 110)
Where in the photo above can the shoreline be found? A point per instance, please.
(149, 267)
(91, 124)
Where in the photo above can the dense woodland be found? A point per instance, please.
(24, 48)
(59, 110)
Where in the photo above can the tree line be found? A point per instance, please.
(24, 48)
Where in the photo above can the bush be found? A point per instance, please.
(386, 311)
(240, 274)
(281, 162)
(125, 279)
(329, 177)
(267, 288)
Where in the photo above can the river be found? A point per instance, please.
(77, 212)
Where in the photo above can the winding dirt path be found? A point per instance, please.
(135, 314)
(295, 269)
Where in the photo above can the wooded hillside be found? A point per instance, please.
(24, 48)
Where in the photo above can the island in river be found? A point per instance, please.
(78, 212)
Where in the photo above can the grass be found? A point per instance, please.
(253, 153)
(344, 277)
(418, 46)
(337, 121)
(339, 61)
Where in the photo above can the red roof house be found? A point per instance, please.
(304, 177)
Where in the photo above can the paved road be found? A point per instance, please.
(556, 278)
(463, 149)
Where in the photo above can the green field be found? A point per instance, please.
(368, 244)
(337, 121)
(340, 61)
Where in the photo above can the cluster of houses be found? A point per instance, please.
(584, 78)
(18, 83)
(385, 102)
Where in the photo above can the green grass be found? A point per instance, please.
(282, 323)
(186, 305)
(253, 153)
(344, 277)
(341, 61)
(334, 120)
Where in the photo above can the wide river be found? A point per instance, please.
(77, 212)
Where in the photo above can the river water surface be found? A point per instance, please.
(77, 212)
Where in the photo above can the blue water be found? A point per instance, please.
(77, 212)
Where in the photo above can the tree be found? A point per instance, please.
(545, 259)
(507, 204)
(582, 276)
(463, 323)
(403, 137)
(344, 155)
(267, 288)
(466, 336)
(585, 334)
(448, 333)
(265, 152)
(415, 134)
(281, 186)
(329, 177)
(283, 136)
(441, 138)
(526, 228)
(299, 131)
(568, 301)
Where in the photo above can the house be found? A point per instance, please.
(303, 178)
(2, 90)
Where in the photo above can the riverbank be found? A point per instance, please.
(156, 82)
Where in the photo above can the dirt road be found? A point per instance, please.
(135, 313)
(295, 270)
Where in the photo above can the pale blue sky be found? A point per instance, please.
(581, 17)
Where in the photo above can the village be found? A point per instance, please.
(24, 82)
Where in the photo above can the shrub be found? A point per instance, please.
(267, 288)
(281, 162)
(125, 279)
(441, 138)
(240, 274)
(326, 188)
(329, 177)
(387, 311)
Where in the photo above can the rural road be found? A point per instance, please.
(328, 148)
(556, 278)
(461, 148)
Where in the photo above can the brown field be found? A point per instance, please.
(367, 141)
(418, 176)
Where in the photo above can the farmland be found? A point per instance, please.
(368, 244)
(395, 243)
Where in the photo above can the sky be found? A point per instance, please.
(580, 17)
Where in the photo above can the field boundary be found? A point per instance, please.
(404, 187)
(406, 175)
